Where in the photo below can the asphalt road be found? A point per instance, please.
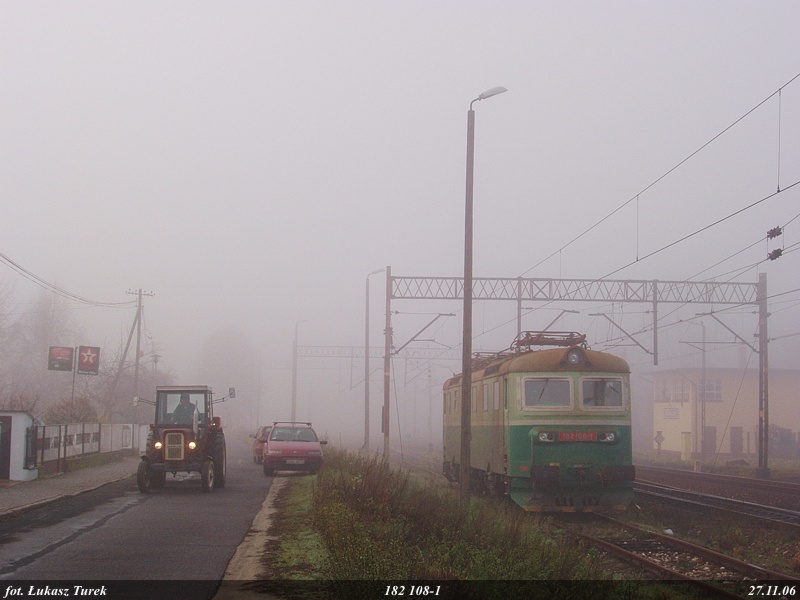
(177, 533)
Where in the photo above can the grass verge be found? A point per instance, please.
(360, 529)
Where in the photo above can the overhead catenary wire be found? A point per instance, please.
(678, 241)
(663, 176)
(702, 229)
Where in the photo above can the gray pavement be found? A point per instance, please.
(16, 496)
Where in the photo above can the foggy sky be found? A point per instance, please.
(251, 162)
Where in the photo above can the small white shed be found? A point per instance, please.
(14, 425)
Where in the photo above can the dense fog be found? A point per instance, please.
(250, 166)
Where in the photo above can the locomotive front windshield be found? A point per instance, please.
(602, 392)
(547, 392)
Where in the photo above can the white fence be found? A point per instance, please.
(49, 444)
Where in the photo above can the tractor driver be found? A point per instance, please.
(184, 412)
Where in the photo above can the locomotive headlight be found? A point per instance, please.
(546, 436)
(575, 357)
(609, 436)
(192, 445)
(158, 445)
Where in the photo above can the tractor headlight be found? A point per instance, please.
(192, 445)
(158, 445)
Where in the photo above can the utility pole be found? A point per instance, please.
(156, 358)
(703, 401)
(763, 380)
(139, 295)
(387, 364)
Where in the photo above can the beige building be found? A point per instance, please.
(725, 423)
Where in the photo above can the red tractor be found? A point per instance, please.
(185, 437)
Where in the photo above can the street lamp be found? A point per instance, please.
(466, 358)
(294, 371)
(366, 363)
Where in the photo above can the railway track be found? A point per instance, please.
(669, 558)
(779, 494)
(419, 460)
(708, 501)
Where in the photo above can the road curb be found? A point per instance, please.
(246, 562)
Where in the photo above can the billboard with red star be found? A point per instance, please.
(88, 360)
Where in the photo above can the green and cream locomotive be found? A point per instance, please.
(550, 428)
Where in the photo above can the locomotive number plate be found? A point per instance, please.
(577, 436)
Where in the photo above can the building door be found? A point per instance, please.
(5, 447)
(709, 441)
(737, 440)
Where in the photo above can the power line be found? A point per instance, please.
(56, 289)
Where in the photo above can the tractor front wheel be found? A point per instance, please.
(207, 476)
(219, 456)
(144, 477)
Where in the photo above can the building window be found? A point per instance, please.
(663, 391)
(713, 390)
(680, 390)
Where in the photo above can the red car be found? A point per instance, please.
(292, 446)
(260, 439)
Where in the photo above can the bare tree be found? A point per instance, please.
(25, 344)
(79, 410)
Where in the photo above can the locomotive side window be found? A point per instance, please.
(547, 392)
(602, 391)
(496, 395)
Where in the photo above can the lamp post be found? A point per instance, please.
(466, 358)
(294, 371)
(366, 363)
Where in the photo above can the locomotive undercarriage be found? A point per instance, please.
(577, 489)
(483, 482)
